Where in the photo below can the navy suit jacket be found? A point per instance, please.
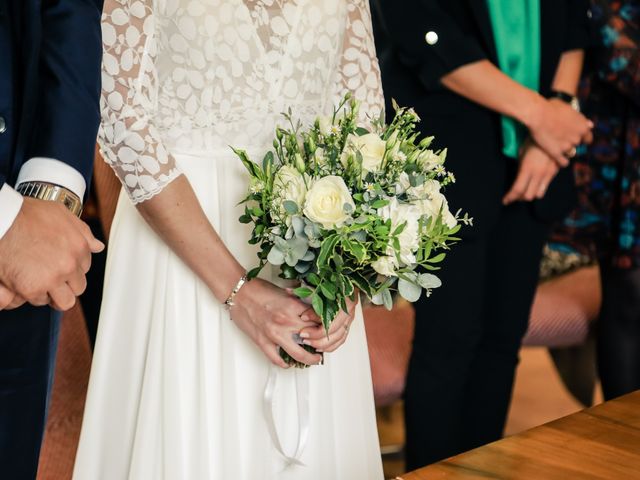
(50, 54)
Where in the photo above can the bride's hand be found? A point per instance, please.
(271, 317)
(318, 338)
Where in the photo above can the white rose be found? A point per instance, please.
(326, 200)
(386, 266)
(372, 149)
(409, 239)
(431, 202)
(288, 184)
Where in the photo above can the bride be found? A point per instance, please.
(177, 387)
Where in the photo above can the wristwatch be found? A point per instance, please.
(567, 98)
(52, 193)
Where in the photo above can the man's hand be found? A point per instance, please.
(537, 170)
(45, 255)
(9, 300)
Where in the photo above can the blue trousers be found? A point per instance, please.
(28, 342)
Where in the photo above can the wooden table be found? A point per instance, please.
(602, 442)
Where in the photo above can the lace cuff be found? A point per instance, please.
(128, 138)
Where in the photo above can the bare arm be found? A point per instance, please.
(537, 169)
(568, 72)
(555, 126)
(266, 313)
(176, 210)
(483, 83)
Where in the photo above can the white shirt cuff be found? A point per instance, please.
(40, 169)
(10, 205)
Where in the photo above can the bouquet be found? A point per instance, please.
(341, 208)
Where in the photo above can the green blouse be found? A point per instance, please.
(516, 30)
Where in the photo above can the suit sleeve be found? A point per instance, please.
(578, 29)
(406, 23)
(69, 89)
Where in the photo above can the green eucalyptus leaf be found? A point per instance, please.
(276, 256)
(309, 256)
(290, 207)
(377, 299)
(409, 291)
(302, 267)
(428, 280)
(298, 226)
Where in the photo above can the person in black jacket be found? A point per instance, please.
(446, 58)
(50, 55)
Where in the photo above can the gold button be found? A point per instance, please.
(431, 38)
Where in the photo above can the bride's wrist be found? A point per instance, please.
(232, 297)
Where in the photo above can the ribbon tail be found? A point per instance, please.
(302, 393)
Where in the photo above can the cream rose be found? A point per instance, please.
(288, 184)
(326, 200)
(386, 266)
(372, 149)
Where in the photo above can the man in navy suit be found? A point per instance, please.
(50, 53)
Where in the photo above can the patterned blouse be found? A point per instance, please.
(606, 223)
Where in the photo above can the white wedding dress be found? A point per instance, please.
(176, 389)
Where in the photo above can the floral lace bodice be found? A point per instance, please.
(200, 75)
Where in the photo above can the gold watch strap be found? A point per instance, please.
(52, 193)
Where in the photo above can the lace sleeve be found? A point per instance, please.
(128, 138)
(358, 70)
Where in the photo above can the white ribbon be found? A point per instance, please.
(304, 414)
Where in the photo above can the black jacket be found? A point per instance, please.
(50, 54)
(412, 69)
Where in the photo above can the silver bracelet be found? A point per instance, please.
(228, 303)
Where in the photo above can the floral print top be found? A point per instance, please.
(606, 223)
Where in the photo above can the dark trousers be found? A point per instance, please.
(468, 333)
(618, 332)
(28, 340)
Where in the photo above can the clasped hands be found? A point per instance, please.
(272, 317)
(45, 256)
(555, 130)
